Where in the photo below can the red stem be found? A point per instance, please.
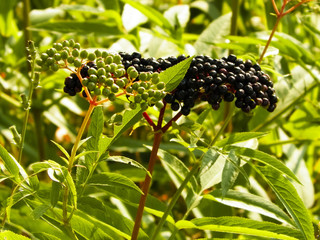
(169, 124)
(149, 120)
(146, 184)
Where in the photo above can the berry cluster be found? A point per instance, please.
(212, 80)
(102, 74)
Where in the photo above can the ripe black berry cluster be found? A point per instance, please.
(212, 80)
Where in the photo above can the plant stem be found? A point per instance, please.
(146, 184)
(66, 220)
(175, 198)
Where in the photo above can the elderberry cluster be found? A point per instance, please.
(212, 80)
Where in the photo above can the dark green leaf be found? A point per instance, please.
(10, 163)
(55, 192)
(40, 210)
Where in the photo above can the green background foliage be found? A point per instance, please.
(259, 180)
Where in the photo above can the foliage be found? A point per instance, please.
(221, 174)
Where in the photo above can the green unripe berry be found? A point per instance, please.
(70, 59)
(120, 83)
(109, 60)
(55, 67)
(108, 68)
(133, 105)
(118, 119)
(77, 62)
(101, 64)
(143, 76)
(140, 90)
(98, 53)
(157, 95)
(109, 82)
(101, 72)
(91, 86)
(144, 106)
(146, 85)
(84, 54)
(76, 45)
(155, 78)
(133, 74)
(57, 46)
(102, 79)
(135, 86)
(51, 52)
(50, 61)
(151, 93)
(104, 54)
(97, 91)
(137, 98)
(129, 89)
(117, 59)
(112, 97)
(85, 82)
(145, 96)
(75, 52)
(93, 78)
(160, 85)
(114, 88)
(106, 91)
(64, 54)
(57, 56)
(92, 71)
(44, 68)
(65, 43)
(113, 67)
(44, 56)
(131, 68)
(119, 72)
(91, 57)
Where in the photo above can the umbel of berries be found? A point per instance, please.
(212, 80)
(101, 76)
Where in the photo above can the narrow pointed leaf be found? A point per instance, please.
(61, 149)
(10, 163)
(242, 226)
(230, 172)
(239, 137)
(290, 199)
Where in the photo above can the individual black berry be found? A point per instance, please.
(169, 98)
(175, 106)
(228, 97)
(185, 110)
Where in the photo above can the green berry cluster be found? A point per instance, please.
(100, 76)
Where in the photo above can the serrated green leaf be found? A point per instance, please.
(242, 226)
(290, 199)
(239, 137)
(64, 151)
(113, 180)
(82, 28)
(8, 235)
(264, 158)
(152, 14)
(172, 76)
(230, 172)
(126, 160)
(250, 202)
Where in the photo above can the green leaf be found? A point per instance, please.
(250, 202)
(85, 153)
(10, 163)
(239, 137)
(95, 131)
(172, 76)
(114, 180)
(64, 151)
(176, 169)
(122, 159)
(8, 235)
(55, 192)
(79, 27)
(213, 33)
(290, 199)
(230, 172)
(152, 14)
(264, 158)
(40, 210)
(130, 117)
(8, 26)
(241, 226)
